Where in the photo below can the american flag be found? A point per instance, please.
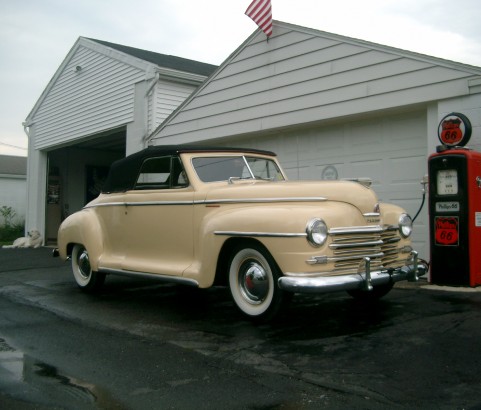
(261, 12)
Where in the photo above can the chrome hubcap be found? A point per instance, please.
(253, 281)
(84, 264)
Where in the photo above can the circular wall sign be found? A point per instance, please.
(454, 130)
(329, 173)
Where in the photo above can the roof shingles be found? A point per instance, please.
(13, 165)
(163, 60)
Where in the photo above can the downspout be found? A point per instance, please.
(26, 129)
(146, 102)
(152, 83)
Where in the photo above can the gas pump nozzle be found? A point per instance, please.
(424, 182)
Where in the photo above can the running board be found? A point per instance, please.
(154, 276)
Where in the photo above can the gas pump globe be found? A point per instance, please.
(455, 206)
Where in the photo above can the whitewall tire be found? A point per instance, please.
(86, 278)
(253, 277)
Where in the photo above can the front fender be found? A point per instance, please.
(82, 227)
(281, 219)
(280, 228)
(390, 213)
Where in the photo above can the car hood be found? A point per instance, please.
(349, 192)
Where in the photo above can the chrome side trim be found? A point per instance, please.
(105, 204)
(261, 234)
(146, 203)
(158, 203)
(155, 276)
(265, 200)
(211, 202)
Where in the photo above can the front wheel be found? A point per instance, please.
(87, 279)
(253, 277)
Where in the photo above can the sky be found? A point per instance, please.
(36, 35)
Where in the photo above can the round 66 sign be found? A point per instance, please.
(446, 230)
(454, 130)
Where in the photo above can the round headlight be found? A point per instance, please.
(405, 225)
(316, 232)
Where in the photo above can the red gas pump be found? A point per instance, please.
(455, 206)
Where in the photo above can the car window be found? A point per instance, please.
(264, 169)
(212, 169)
(161, 173)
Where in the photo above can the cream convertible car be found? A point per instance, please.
(221, 216)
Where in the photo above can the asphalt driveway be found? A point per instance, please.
(416, 348)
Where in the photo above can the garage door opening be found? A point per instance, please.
(76, 174)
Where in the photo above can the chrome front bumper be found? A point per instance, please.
(365, 280)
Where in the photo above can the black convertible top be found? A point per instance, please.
(124, 172)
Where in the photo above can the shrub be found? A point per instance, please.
(8, 214)
(10, 233)
(10, 230)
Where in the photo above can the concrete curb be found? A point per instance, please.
(424, 284)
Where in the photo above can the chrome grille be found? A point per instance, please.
(390, 248)
(351, 245)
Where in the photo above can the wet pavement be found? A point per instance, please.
(139, 342)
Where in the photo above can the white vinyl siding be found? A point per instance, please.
(391, 151)
(318, 99)
(167, 96)
(13, 193)
(100, 96)
(302, 76)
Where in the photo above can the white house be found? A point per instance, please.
(13, 186)
(333, 107)
(101, 104)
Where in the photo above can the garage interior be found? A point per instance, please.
(76, 174)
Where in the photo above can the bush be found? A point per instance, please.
(10, 230)
(10, 233)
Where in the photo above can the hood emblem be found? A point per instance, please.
(377, 209)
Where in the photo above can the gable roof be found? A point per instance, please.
(303, 76)
(13, 165)
(163, 60)
(146, 61)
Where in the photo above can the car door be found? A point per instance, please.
(158, 219)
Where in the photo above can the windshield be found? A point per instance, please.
(212, 169)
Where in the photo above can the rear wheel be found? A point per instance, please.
(253, 277)
(87, 279)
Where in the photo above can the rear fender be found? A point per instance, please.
(83, 228)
